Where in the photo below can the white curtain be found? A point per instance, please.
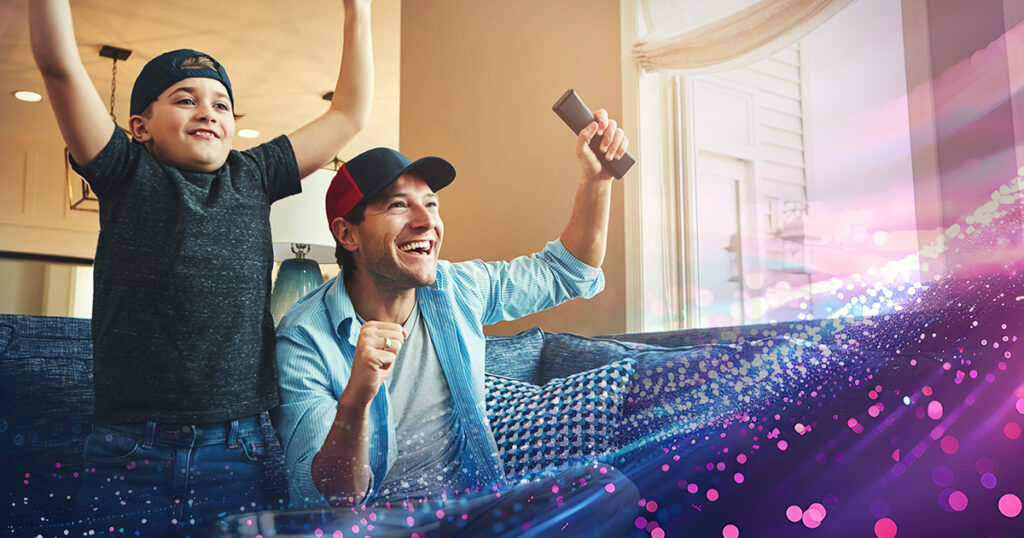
(691, 37)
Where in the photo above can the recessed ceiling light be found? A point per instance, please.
(27, 96)
(248, 133)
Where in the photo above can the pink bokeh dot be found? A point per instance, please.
(1010, 505)
(935, 410)
(794, 513)
(338, 534)
(641, 522)
(885, 528)
(958, 501)
(652, 506)
(712, 494)
(738, 477)
(658, 533)
(554, 488)
(949, 444)
(691, 487)
(730, 531)
(742, 458)
(410, 521)
(610, 488)
(664, 468)
(783, 445)
(809, 521)
(1012, 430)
(318, 532)
(1020, 406)
(439, 514)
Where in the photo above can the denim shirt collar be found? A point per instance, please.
(343, 314)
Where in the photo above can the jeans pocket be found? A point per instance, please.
(108, 446)
(254, 447)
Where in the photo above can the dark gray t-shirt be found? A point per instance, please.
(181, 323)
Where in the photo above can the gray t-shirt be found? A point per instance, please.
(181, 322)
(429, 442)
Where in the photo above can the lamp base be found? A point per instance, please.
(295, 278)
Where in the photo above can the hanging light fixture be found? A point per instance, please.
(80, 196)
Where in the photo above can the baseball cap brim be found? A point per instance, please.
(373, 171)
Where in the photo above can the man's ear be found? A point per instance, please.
(138, 128)
(346, 233)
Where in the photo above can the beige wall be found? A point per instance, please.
(478, 80)
(34, 212)
(22, 291)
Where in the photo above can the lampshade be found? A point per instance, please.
(302, 238)
(302, 219)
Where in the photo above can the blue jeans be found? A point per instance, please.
(164, 479)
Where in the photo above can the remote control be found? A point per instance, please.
(576, 115)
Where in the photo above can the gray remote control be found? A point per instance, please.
(576, 115)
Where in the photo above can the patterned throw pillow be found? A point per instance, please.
(568, 420)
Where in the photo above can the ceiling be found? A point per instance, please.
(281, 59)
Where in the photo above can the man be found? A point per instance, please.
(382, 368)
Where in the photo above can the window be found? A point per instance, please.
(778, 183)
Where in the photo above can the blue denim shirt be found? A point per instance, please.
(316, 343)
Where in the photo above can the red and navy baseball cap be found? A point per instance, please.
(372, 171)
(165, 71)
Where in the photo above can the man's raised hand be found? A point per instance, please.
(614, 144)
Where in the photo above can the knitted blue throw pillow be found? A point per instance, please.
(539, 429)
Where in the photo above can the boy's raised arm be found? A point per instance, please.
(320, 140)
(84, 122)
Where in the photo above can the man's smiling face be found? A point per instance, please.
(400, 237)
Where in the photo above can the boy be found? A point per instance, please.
(182, 334)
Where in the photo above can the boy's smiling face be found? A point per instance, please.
(189, 126)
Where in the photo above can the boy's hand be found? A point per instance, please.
(378, 344)
(614, 144)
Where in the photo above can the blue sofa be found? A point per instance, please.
(830, 427)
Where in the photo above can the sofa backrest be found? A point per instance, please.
(45, 411)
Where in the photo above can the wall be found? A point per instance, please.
(478, 81)
(34, 213)
(26, 297)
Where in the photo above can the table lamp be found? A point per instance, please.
(302, 241)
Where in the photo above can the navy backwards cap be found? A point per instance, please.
(374, 170)
(165, 71)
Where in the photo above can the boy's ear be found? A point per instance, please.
(138, 128)
(346, 233)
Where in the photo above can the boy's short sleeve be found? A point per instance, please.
(113, 166)
(280, 171)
